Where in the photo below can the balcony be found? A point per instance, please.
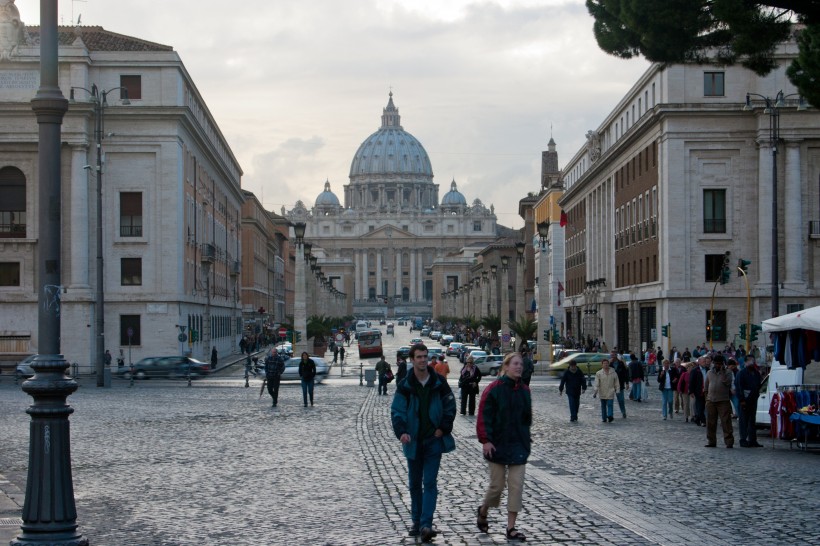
(208, 253)
(814, 229)
(234, 268)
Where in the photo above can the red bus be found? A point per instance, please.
(370, 343)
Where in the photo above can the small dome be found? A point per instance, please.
(453, 197)
(327, 198)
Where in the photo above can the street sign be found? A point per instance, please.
(340, 337)
(283, 332)
(182, 337)
(505, 338)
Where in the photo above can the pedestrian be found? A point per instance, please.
(335, 353)
(575, 382)
(697, 379)
(342, 355)
(468, 381)
(606, 387)
(422, 416)
(382, 369)
(621, 370)
(636, 376)
(731, 364)
(503, 428)
(748, 391)
(214, 358)
(274, 367)
(401, 369)
(529, 367)
(107, 358)
(678, 399)
(683, 391)
(442, 368)
(307, 371)
(667, 383)
(718, 387)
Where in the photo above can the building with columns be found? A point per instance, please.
(393, 228)
(675, 177)
(171, 201)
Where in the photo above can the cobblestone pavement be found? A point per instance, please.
(165, 464)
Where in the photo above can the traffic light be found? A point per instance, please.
(555, 335)
(743, 265)
(743, 331)
(194, 336)
(725, 275)
(716, 330)
(755, 330)
(708, 330)
(546, 334)
(298, 335)
(665, 330)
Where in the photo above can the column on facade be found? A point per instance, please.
(413, 275)
(397, 290)
(504, 313)
(543, 302)
(520, 304)
(79, 218)
(420, 276)
(764, 212)
(365, 275)
(379, 273)
(357, 268)
(794, 217)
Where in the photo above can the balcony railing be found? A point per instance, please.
(814, 229)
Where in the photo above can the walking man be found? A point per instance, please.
(718, 389)
(575, 382)
(422, 416)
(606, 386)
(274, 367)
(668, 384)
(382, 367)
(748, 392)
(621, 370)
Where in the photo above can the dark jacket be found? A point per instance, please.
(467, 381)
(274, 366)
(504, 419)
(696, 382)
(674, 376)
(747, 385)
(576, 382)
(307, 370)
(404, 411)
(635, 369)
(623, 373)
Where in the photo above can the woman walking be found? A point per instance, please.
(468, 383)
(503, 427)
(606, 385)
(307, 371)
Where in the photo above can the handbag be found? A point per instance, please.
(388, 376)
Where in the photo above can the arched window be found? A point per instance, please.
(12, 203)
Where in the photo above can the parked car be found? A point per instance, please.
(404, 352)
(473, 352)
(401, 322)
(435, 334)
(24, 369)
(453, 348)
(588, 363)
(489, 364)
(445, 339)
(292, 369)
(165, 366)
(416, 340)
(425, 331)
(434, 352)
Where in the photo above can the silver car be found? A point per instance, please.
(24, 369)
(291, 372)
(488, 364)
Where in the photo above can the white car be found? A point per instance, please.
(488, 364)
(445, 339)
(291, 372)
(435, 334)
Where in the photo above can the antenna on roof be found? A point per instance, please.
(79, 19)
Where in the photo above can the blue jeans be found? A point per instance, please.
(307, 388)
(636, 391)
(667, 396)
(606, 408)
(574, 403)
(423, 476)
(620, 396)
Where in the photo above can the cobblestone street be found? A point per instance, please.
(164, 464)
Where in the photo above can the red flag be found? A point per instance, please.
(563, 219)
(560, 287)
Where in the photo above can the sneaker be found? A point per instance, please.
(414, 530)
(426, 534)
(612, 418)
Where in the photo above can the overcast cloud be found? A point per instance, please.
(296, 85)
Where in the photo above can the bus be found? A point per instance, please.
(370, 343)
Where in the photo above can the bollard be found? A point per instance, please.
(246, 379)
(189, 375)
(131, 383)
(361, 374)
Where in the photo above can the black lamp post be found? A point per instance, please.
(772, 108)
(100, 102)
(49, 512)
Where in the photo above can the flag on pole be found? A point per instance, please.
(564, 220)
(560, 289)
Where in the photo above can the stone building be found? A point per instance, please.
(675, 179)
(384, 241)
(170, 193)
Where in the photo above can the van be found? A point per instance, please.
(361, 325)
(781, 376)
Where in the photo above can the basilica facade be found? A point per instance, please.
(394, 242)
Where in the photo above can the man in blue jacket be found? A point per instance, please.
(422, 415)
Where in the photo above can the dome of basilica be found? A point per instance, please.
(453, 197)
(391, 150)
(327, 198)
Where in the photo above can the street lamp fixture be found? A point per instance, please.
(505, 262)
(772, 109)
(99, 99)
(543, 231)
(308, 247)
(519, 248)
(299, 232)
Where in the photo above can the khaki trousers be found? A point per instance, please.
(513, 475)
(719, 410)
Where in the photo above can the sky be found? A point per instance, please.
(297, 85)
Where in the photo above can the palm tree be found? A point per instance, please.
(319, 327)
(493, 324)
(524, 329)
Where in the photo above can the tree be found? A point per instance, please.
(524, 329)
(720, 31)
(493, 324)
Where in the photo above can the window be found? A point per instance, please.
(477, 225)
(794, 307)
(133, 84)
(12, 202)
(713, 265)
(130, 324)
(9, 273)
(131, 214)
(714, 211)
(131, 271)
(718, 325)
(713, 84)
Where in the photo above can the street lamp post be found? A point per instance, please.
(504, 315)
(543, 291)
(493, 303)
(485, 294)
(772, 108)
(520, 305)
(299, 310)
(99, 101)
